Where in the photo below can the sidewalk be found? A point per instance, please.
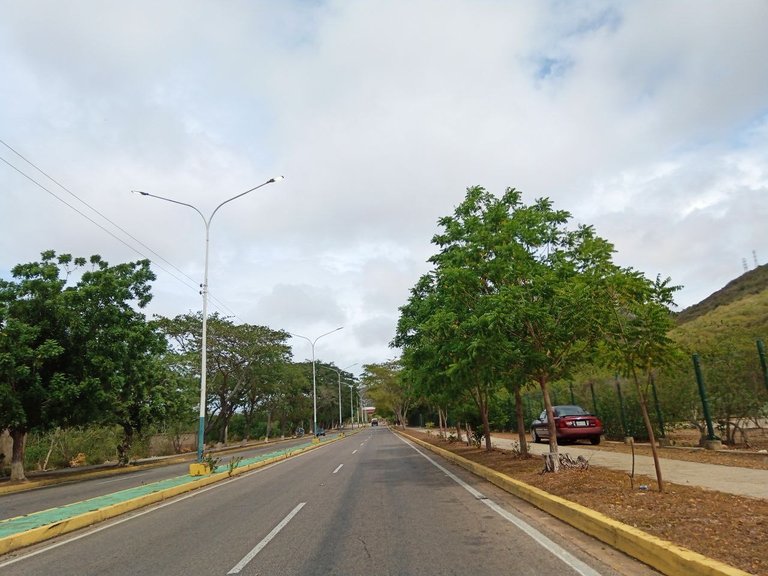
(730, 479)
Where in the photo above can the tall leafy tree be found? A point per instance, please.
(73, 348)
(268, 356)
(387, 386)
(289, 401)
(515, 294)
(635, 337)
(244, 363)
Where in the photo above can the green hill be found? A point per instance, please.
(736, 324)
(750, 283)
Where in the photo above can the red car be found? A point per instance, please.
(571, 423)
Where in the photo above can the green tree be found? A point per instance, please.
(387, 387)
(78, 353)
(635, 339)
(552, 294)
(515, 295)
(268, 356)
(244, 362)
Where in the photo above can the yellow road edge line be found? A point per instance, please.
(663, 555)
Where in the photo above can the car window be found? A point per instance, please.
(543, 415)
(571, 411)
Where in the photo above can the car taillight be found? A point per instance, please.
(562, 423)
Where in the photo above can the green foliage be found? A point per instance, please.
(387, 386)
(246, 366)
(725, 338)
(233, 463)
(75, 350)
(515, 296)
(211, 461)
(55, 449)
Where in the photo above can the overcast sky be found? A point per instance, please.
(648, 120)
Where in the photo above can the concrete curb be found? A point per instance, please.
(78, 521)
(662, 555)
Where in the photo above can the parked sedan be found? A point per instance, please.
(571, 423)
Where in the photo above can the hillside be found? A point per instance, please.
(752, 282)
(728, 326)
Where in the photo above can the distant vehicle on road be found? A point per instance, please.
(571, 423)
(320, 431)
(374, 422)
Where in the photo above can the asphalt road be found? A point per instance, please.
(369, 504)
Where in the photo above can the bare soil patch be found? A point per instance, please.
(729, 528)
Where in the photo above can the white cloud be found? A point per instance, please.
(645, 119)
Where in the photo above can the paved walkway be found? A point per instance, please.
(729, 479)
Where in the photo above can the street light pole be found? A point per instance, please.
(351, 406)
(314, 373)
(338, 372)
(204, 292)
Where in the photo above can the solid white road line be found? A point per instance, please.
(338, 468)
(537, 536)
(267, 539)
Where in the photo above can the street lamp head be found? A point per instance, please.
(275, 179)
(140, 192)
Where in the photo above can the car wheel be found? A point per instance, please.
(536, 437)
(595, 440)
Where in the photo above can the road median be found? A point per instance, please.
(22, 531)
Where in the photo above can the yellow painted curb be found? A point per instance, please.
(662, 555)
(42, 533)
(199, 469)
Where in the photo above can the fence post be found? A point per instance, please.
(703, 393)
(761, 353)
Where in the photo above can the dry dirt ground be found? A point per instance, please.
(732, 529)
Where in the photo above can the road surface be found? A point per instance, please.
(369, 504)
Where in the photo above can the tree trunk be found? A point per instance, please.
(19, 438)
(248, 421)
(486, 427)
(124, 448)
(440, 422)
(54, 439)
(520, 422)
(553, 462)
(269, 425)
(649, 429)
